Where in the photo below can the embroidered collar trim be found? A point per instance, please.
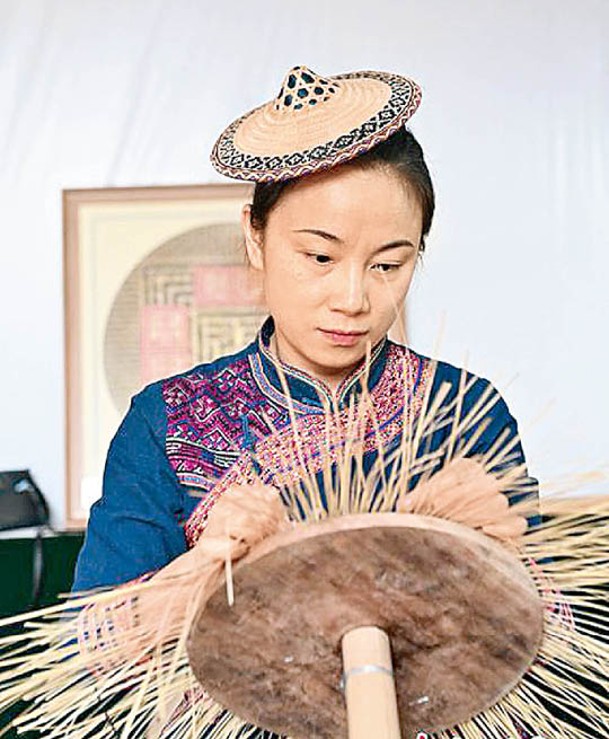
(307, 393)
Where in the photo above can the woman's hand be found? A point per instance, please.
(164, 606)
(242, 516)
(245, 514)
(463, 491)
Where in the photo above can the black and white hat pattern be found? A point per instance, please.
(315, 123)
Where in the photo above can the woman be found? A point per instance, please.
(342, 207)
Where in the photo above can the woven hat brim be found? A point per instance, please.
(266, 146)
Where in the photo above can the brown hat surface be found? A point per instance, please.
(315, 123)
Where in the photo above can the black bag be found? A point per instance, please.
(22, 505)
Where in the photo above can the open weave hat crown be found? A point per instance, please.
(315, 123)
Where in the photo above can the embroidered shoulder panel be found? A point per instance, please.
(212, 418)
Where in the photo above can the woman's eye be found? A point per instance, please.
(385, 267)
(320, 258)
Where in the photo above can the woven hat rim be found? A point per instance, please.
(403, 101)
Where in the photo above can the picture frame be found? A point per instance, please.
(155, 281)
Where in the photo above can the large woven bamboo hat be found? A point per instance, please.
(315, 123)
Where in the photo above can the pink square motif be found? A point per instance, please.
(164, 341)
(230, 285)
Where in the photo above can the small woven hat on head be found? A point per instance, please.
(315, 123)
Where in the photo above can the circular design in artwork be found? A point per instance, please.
(193, 299)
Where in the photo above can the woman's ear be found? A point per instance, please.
(253, 239)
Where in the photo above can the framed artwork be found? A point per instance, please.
(156, 281)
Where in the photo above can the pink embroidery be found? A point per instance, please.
(276, 452)
(204, 418)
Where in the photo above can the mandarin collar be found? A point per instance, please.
(307, 393)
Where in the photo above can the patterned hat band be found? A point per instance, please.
(315, 123)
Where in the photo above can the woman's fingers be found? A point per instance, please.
(246, 513)
(463, 491)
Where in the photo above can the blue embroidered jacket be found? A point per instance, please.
(185, 439)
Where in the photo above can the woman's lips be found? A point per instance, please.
(342, 338)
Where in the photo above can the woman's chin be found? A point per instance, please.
(338, 362)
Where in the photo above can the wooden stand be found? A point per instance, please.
(372, 708)
(463, 616)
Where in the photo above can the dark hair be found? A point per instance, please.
(401, 153)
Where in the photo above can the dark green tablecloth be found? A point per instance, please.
(16, 576)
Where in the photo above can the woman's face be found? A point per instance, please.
(337, 257)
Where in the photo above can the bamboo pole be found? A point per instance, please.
(369, 685)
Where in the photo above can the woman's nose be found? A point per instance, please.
(350, 293)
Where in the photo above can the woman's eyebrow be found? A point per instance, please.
(319, 232)
(332, 237)
(394, 244)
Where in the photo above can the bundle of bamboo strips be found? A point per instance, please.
(90, 665)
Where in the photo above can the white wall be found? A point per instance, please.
(98, 93)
